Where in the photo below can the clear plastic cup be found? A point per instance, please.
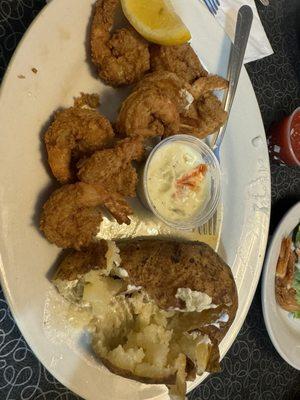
(209, 206)
(280, 141)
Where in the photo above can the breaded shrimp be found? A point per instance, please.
(208, 84)
(169, 84)
(190, 108)
(201, 113)
(178, 90)
(148, 112)
(182, 60)
(205, 116)
(75, 132)
(121, 57)
(116, 205)
(284, 291)
(72, 215)
(112, 168)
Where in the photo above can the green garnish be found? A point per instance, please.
(296, 314)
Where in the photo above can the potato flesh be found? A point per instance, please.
(126, 359)
(140, 341)
(144, 338)
(154, 340)
(111, 329)
(99, 291)
(131, 335)
(134, 335)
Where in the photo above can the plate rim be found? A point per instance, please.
(264, 300)
(5, 288)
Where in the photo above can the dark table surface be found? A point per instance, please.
(252, 369)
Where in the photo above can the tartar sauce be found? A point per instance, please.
(177, 181)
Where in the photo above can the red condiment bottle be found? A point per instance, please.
(284, 140)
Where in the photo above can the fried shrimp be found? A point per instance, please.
(170, 85)
(182, 60)
(178, 90)
(116, 205)
(121, 57)
(286, 295)
(75, 132)
(191, 109)
(148, 112)
(72, 215)
(112, 168)
(208, 84)
(205, 116)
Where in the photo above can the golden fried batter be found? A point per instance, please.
(71, 216)
(75, 132)
(87, 99)
(208, 84)
(121, 57)
(115, 204)
(169, 84)
(205, 116)
(112, 167)
(148, 112)
(162, 104)
(182, 60)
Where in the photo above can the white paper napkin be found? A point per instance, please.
(258, 45)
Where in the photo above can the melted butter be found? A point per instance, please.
(177, 187)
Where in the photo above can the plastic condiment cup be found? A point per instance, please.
(213, 173)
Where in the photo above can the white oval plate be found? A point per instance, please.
(55, 45)
(283, 330)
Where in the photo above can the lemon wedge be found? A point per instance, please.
(156, 21)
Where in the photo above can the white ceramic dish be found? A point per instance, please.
(283, 330)
(55, 45)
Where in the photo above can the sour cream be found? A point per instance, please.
(177, 181)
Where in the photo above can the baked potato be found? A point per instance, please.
(157, 307)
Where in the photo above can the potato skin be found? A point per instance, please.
(80, 262)
(161, 267)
